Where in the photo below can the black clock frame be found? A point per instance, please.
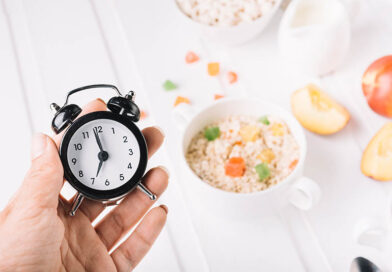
(103, 194)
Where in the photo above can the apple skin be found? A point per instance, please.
(377, 86)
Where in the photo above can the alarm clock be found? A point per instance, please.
(103, 153)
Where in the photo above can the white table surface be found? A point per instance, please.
(49, 47)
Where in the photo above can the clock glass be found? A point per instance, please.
(103, 154)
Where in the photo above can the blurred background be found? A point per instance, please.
(50, 47)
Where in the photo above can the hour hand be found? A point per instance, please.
(98, 140)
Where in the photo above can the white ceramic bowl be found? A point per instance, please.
(296, 189)
(232, 35)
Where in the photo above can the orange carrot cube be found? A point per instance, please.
(235, 167)
(143, 114)
(232, 77)
(181, 99)
(213, 68)
(218, 96)
(191, 57)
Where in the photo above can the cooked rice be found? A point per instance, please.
(208, 158)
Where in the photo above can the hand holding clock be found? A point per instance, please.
(37, 235)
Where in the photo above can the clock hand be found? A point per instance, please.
(98, 140)
(99, 167)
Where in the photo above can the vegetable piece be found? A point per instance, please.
(263, 171)
(235, 167)
(317, 112)
(377, 158)
(293, 164)
(249, 133)
(211, 133)
(277, 129)
(232, 77)
(213, 68)
(168, 85)
(267, 155)
(143, 114)
(181, 99)
(218, 96)
(191, 57)
(377, 86)
(264, 120)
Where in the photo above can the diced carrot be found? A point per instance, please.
(143, 115)
(218, 96)
(235, 167)
(238, 143)
(232, 77)
(191, 57)
(293, 164)
(213, 68)
(181, 99)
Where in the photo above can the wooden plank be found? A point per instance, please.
(16, 127)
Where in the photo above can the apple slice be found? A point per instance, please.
(377, 159)
(317, 112)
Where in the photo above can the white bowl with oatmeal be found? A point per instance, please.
(229, 22)
(243, 155)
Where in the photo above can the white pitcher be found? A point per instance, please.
(314, 35)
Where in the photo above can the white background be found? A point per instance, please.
(49, 47)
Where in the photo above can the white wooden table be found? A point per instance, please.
(49, 47)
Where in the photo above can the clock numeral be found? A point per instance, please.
(92, 179)
(113, 131)
(98, 129)
(85, 135)
(78, 147)
(130, 166)
(125, 139)
(80, 173)
(107, 183)
(130, 152)
(122, 177)
(74, 160)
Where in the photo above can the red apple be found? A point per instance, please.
(377, 86)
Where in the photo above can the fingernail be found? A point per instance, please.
(165, 170)
(160, 130)
(165, 208)
(101, 100)
(38, 145)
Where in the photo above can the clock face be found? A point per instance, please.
(103, 154)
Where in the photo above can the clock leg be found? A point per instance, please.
(76, 204)
(144, 189)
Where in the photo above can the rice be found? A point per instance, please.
(247, 138)
(225, 12)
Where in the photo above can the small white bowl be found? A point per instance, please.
(233, 35)
(296, 189)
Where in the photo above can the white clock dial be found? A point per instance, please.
(122, 154)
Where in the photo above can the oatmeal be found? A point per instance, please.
(225, 12)
(243, 154)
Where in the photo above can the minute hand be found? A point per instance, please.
(98, 140)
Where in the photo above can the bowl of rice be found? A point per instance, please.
(229, 22)
(243, 154)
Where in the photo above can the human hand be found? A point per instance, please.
(36, 234)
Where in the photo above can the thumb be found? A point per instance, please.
(44, 180)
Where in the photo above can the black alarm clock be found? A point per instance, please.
(104, 154)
